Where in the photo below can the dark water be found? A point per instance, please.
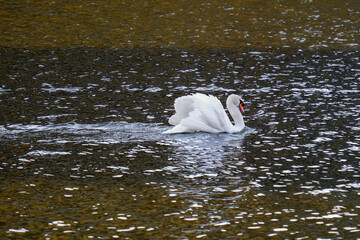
(83, 154)
(83, 108)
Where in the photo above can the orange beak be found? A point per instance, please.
(241, 107)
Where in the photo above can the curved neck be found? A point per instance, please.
(235, 113)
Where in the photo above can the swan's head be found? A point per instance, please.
(237, 101)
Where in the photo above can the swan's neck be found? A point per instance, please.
(235, 113)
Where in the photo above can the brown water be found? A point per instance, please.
(235, 24)
(86, 89)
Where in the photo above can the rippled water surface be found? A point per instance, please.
(82, 151)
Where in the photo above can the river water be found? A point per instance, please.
(86, 90)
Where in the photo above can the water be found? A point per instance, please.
(82, 151)
(86, 157)
(198, 24)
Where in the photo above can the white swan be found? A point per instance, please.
(205, 113)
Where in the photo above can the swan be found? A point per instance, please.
(204, 113)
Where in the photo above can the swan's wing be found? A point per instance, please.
(199, 112)
(183, 106)
(196, 122)
(212, 111)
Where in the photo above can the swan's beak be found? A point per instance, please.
(241, 106)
